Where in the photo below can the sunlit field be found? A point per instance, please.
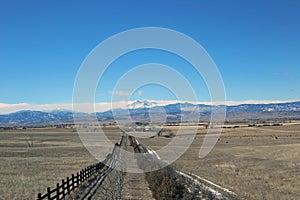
(32, 160)
(254, 162)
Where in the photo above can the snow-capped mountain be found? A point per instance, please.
(142, 104)
(146, 109)
(274, 107)
(27, 117)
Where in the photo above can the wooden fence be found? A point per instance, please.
(67, 186)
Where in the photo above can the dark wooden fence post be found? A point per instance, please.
(63, 187)
(49, 193)
(57, 191)
(77, 180)
(83, 173)
(73, 182)
(81, 177)
(39, 196)
(68, 185)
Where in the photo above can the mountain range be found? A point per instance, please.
(145, 109)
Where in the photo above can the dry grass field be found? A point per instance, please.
(32, 160)
(254, 162)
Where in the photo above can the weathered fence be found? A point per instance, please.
(67, 186)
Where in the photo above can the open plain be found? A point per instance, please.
(254, 162)
(32, 160)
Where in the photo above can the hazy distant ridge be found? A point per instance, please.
(141, 110)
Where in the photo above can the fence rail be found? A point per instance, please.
(71, 183)
(67, 186)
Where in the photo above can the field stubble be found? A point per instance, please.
(254, 162)
(32, 160)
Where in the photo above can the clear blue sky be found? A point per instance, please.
(255, 44)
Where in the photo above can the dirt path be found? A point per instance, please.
(127, 186)
(136, 187)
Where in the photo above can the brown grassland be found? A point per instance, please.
(254, 162)
(32, 160)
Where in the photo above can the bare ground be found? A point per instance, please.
(253, 162)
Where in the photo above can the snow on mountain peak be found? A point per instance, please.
(141, 104)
